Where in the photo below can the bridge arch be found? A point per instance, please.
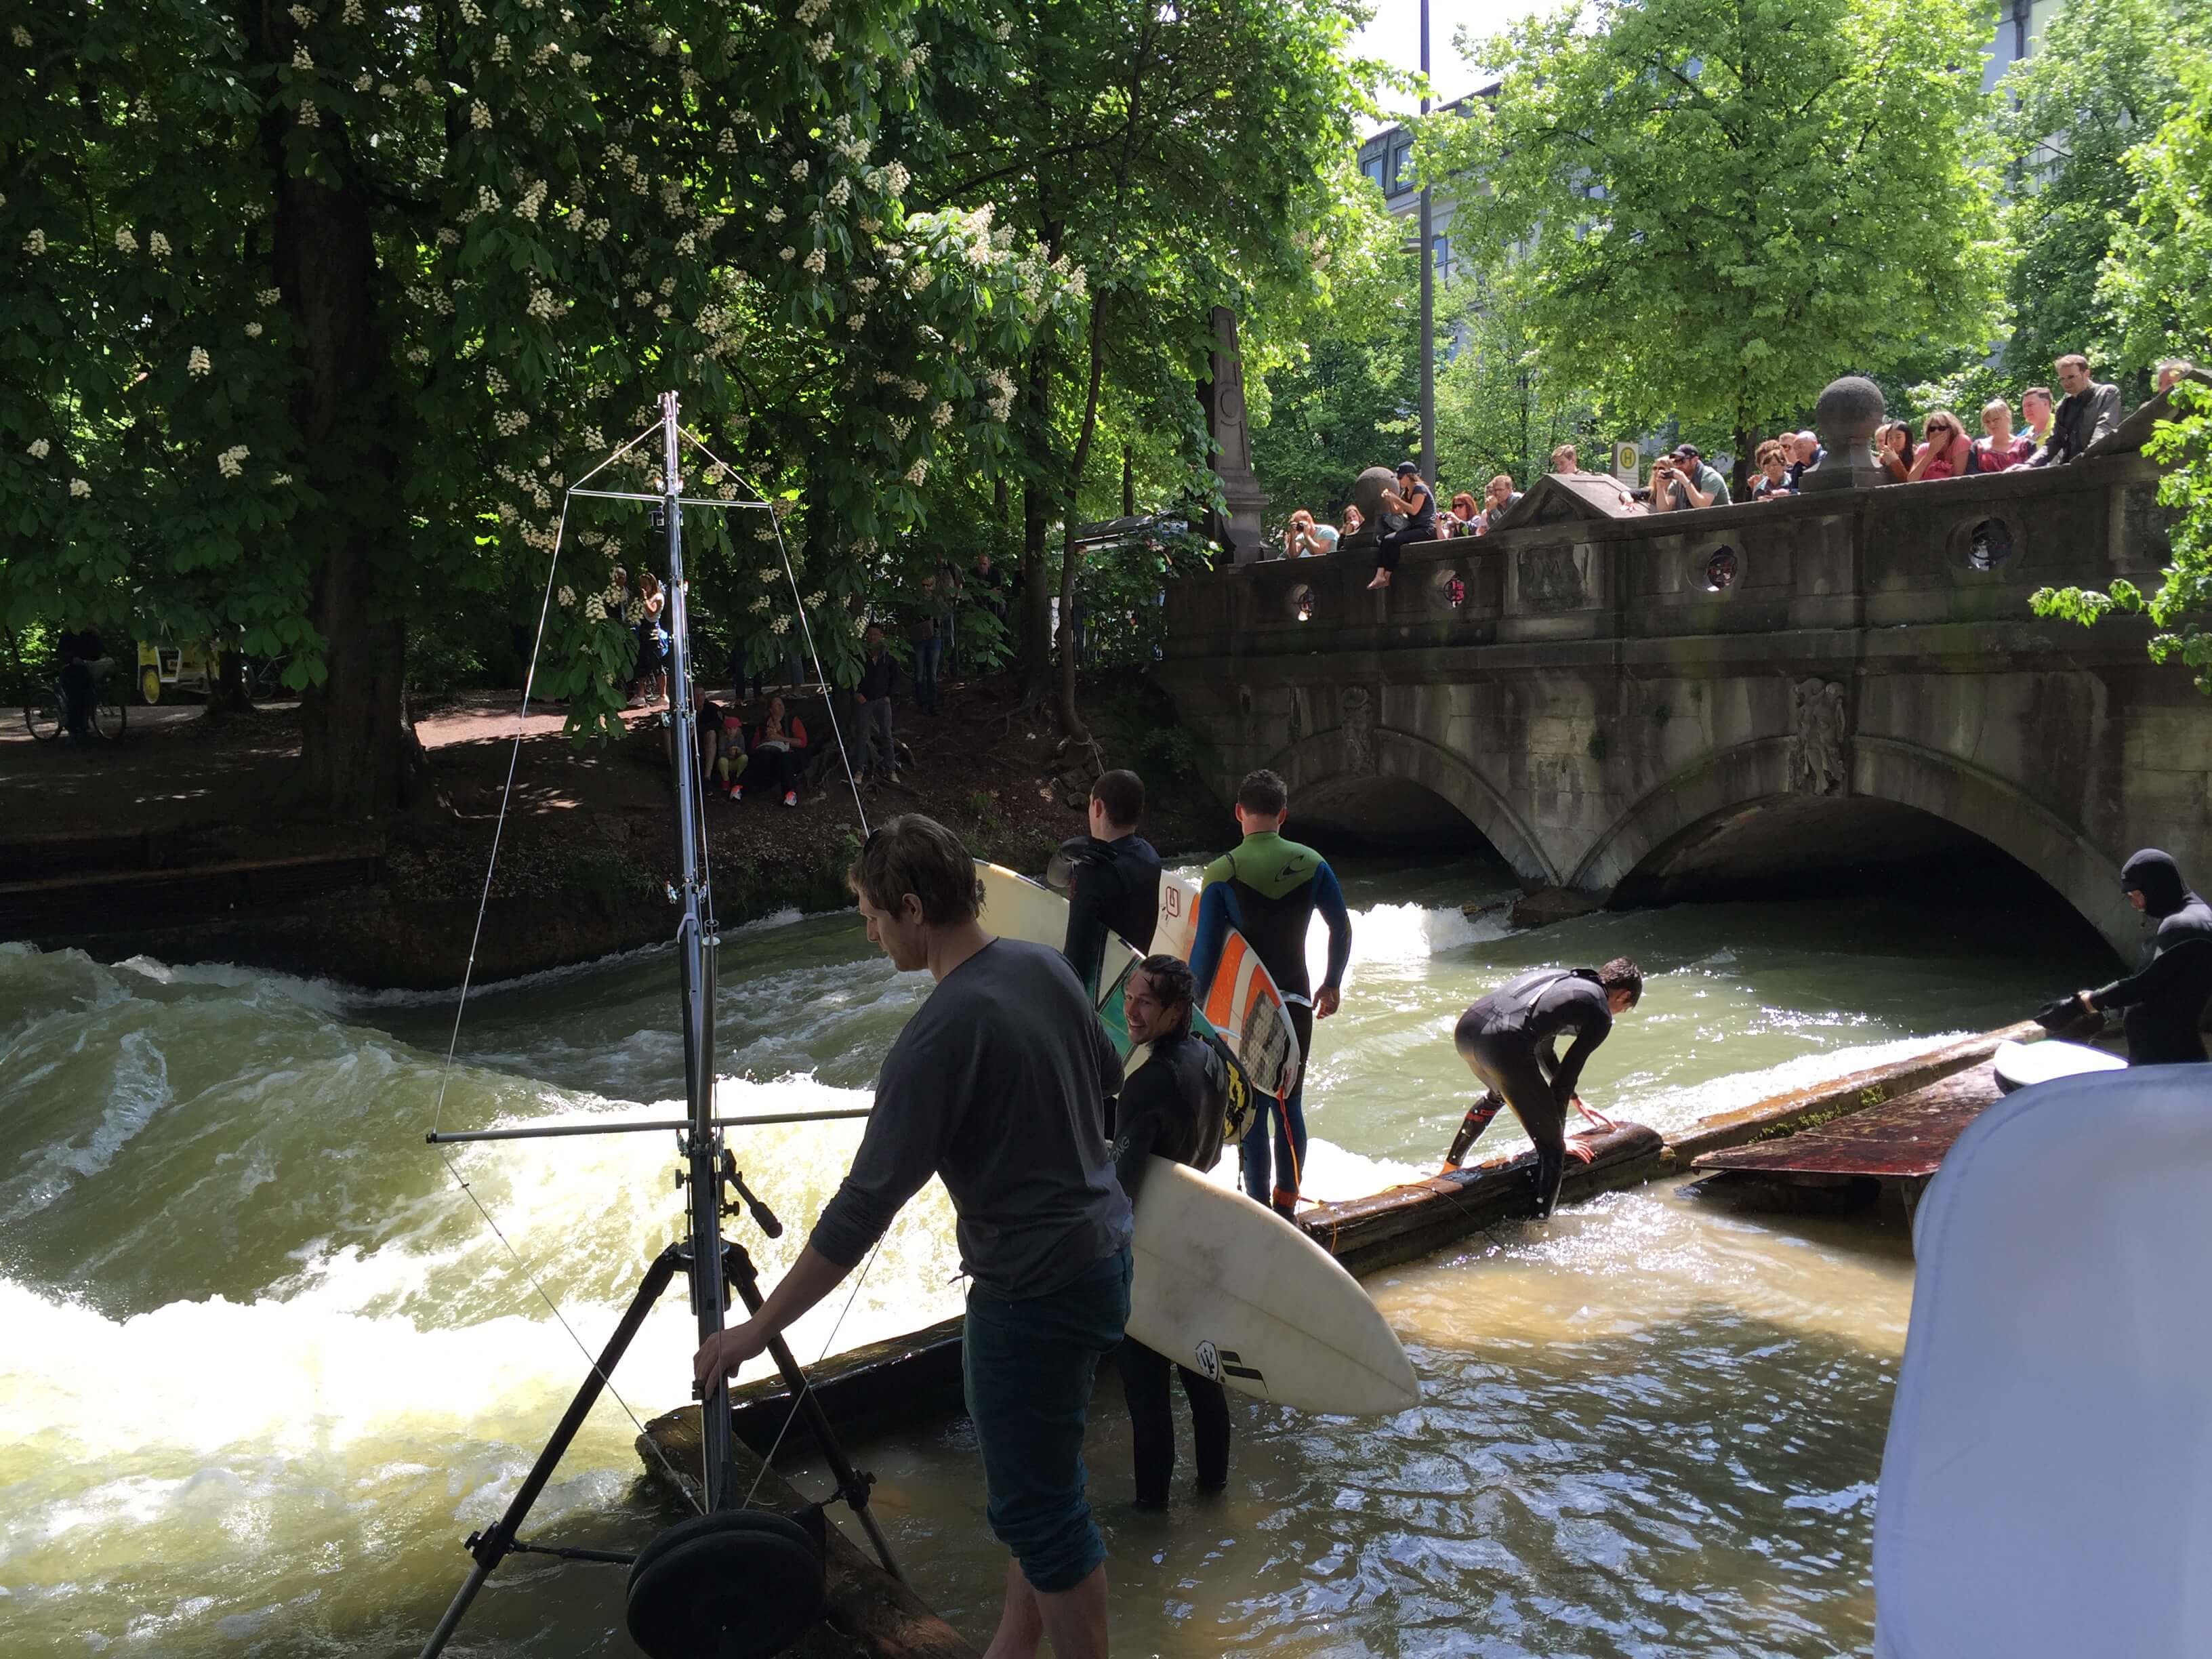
(1334, 768)
(1738, 800)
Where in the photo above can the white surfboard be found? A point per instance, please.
(1229, 1288)
(1178, 923)
(1018, 907)
(1243, 1003)
(2021, 1065)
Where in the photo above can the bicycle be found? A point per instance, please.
(42, 710)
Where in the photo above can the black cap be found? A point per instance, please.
(1691, 450)
(1404, 467)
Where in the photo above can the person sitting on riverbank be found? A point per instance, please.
(1174, 1107)
(1269, 890)
(998, 1084)
(1509, 1040)
(1111, 878)
(779, 748)
(721, 736)
(2162, 1003)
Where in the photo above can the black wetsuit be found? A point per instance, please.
(1507, 1039)
(1172, 1108)
(2164, 1000)
(1113, 887)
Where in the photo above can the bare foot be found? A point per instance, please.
(1381, 579)
(1579, 1150)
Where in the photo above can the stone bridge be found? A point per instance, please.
(1648, 708)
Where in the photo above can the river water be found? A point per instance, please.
(265, 1364)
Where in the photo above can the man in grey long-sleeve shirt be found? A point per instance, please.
(998, 1086)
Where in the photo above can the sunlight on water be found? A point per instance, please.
(266, 1365)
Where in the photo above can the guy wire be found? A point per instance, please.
(468, 972)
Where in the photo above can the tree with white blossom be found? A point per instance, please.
(315, 311)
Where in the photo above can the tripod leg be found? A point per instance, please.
(855, 1489)
(490, 1548)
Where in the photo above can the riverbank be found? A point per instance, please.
(177, 842)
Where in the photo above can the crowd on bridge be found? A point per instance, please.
(2050, 431)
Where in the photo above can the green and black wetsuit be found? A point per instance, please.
(1269, 890)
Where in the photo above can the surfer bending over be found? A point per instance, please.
(2164, 1000)
(1111, 877)
(1507, 1040)
(1174, 1107)
(1267, 889)
(998, 1084)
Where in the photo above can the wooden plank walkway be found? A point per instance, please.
(1902, 1140)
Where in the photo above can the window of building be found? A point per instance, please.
(1373, 167)
(1401, 167)
(1441, 246)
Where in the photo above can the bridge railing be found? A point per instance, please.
(1957, 550)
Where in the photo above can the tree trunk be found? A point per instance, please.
(359, 755)
(1071, 562)
(1739, 475)
(227, 695)
(1128, 483)
(1036, 616)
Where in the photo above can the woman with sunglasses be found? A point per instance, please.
(1944, 453)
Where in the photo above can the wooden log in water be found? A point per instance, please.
(871, 1614)
(864, 1390)
(1823, 1102)
(1414, 1220)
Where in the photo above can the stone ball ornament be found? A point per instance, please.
(1846, 417)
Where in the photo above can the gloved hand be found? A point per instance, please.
(2062, 1015)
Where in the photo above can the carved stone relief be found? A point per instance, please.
(1819, 723)
(1551, 577)
(1356, 724)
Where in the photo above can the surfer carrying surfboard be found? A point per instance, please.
(1171, 1107)
(1509, 1040)
(998, 1084)
(1111, 877)
(1267, 890)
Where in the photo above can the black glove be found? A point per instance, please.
(2061, 1015)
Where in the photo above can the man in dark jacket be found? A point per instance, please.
(2162, 1003)
(2089, 411)
(1507, 1040)
(1111, 877)
(879, 679)
(1171, 1107)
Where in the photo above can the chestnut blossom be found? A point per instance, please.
(232, 462)
(79, 488)
(253, 331)
(300, 60)
(309, 115)
(479, 114)
(566, 598)
(199, 362)
(816, 262)
(35, 243)
(38, 448)
(799, 171)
